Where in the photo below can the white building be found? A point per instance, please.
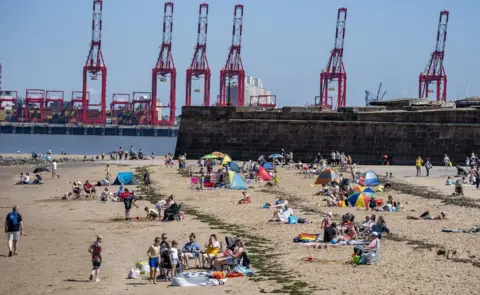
(253, 88)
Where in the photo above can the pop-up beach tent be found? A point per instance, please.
(263, 174)
(328, 175)
(371, 179)
(268, 166)
(128, 177)
(236, 181)
(234, 166)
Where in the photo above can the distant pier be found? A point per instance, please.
(100, 130)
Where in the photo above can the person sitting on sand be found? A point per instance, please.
(22, 177)
(26, 179)
(330, 233)
(367, 223)
(247, 199)
(89, 189)
(380, 227)
(426, 216)
(458, 188)
(38, 179)
(449, 181)
(213, 248)
(106, 195)
(280, 203)
(76, 188)
(231, 257)
(282, 215)
(151, 213)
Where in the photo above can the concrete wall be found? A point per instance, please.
(245, 133)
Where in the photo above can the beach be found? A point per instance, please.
(416, 258)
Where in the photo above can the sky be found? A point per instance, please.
(285, 43)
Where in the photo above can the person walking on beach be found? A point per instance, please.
(96, 250)
(54, 170)
(108, 172)
(446, 161)
(153, 259)
(418, 165)
(14, 229)
(428, 166)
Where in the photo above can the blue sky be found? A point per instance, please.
(285, 43)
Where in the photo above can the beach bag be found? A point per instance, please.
(134, 274)
(292, 219)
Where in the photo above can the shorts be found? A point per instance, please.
(96, 264)
(128, 204)
(153, 262)
(174, 261)
(189, 255)
(13, 235)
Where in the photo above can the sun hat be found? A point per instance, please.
(330, 214)
(374, 233)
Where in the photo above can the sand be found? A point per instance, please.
(53, 257)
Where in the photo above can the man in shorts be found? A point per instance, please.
(14, 229)
(129, 199)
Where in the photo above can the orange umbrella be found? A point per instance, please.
(219, 154)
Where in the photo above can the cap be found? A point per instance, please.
(330, 214)
(374, 233)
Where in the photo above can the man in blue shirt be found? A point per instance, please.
(14, 229)
(190, 250)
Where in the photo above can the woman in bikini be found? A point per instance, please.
(231, 257)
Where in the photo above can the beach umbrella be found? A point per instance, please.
(210, 156)
(218, 154)
(360, 196)
(275, 156)
(41, 169)
(226, 159)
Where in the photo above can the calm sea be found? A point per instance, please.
(83, 144)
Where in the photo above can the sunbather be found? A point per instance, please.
(231, 257)
(426, 216)
(247, 199)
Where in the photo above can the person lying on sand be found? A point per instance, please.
(426, 216)
(151, 213)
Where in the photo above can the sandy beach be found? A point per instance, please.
(53, 257)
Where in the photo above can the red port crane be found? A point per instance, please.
(199, 65)
(164, 68)
(55, 96)
(94, 66)
(435, 72)
(141, 108)
(119, 99)
(335, 70)
(233, 69)
(34, 100)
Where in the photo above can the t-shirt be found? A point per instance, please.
(153, 212)
(54, 166)
(27, 179)
(174, 254)
(329, 233)
(191, 247)
(13, 227)
(96, 250)
(418, 163)
(285, 214)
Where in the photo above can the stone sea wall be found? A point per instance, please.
(245, 133)
(14, 161)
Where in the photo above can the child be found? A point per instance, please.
(96, 250)
(449, 181)
(174, 257)
(151, 213)
(153, 258)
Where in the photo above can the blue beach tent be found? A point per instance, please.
(236, 181)
(268, 166)
(234, 167)
(128, 177)
(371, 179)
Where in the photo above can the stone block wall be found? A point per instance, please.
(245, 133)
